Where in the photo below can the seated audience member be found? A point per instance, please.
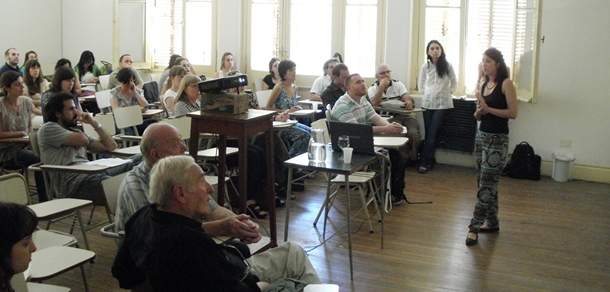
(15, 122)
(183, 63)
(385, 88)
(18, 223)
(166, 248)
(284, 98)
(30, 55)
(159, 141)
(61, 143)
(127, 94)
(34, 84)
(226, 64)
(86, 70)
(353, 107)
(173, 84)
(66, 63)
(188, 100)
(188, 96)
(12, 61)
(125, 61)
(165, 73)
(337, 88)
(273, 77)
(64, 80)
(322, 82)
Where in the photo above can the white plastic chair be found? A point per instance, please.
(258, 84)
(104, 80)
(19, 284)
(124, 117)
(263, 97)
(102, 98)
(111, 190)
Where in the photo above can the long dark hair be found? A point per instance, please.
(32, 84)
(271, 66)
(172, 61)
(502, 71)
(16, 222)
(85, 57)
(62, 73)
(442, 68)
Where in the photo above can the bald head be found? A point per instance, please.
(161, 140)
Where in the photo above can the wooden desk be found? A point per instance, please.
(240, 126)
(331, 165)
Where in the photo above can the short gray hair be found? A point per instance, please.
(167, 173)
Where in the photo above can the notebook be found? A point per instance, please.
(361, 136)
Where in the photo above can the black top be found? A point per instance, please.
(492, 123)
(269, 81)
(175, 254)
(331, 94)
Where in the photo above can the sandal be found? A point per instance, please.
(255, 211)
(279, 202)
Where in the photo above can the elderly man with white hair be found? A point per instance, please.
(166, 248)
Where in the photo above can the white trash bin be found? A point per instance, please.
(561, 166)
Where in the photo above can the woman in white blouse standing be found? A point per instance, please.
(437, 81)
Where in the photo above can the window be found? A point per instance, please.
(183, 27)
(309, 32)
(467, 28)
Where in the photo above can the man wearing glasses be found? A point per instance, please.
(385, 89)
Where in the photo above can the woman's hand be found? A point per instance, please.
(295, 108)
(132, 87)
(282, 117)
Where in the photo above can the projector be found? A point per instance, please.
(220, 84)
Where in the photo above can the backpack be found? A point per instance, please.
(524, 163)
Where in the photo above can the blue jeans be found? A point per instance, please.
(433, 119)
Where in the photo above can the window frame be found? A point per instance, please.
(337, 38)
(418, 54)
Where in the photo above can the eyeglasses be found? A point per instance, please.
(385, 72)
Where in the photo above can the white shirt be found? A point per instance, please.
(320, 84)
(397, 89)
(169, 93)
(437, 91)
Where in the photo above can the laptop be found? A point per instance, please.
(361, 136)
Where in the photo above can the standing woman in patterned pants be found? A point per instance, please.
(496, 104)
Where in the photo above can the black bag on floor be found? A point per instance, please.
(524, 163)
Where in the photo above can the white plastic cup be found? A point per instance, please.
(347, 155)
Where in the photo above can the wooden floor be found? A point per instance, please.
(554, 237)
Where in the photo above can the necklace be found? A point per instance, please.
(488, 87)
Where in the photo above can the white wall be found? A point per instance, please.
(572, 99)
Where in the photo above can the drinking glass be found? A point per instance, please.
(342, 143)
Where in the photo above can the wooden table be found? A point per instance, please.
(240, 126)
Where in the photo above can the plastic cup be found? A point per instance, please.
(347, 155)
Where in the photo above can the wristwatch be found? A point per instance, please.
(99, 127)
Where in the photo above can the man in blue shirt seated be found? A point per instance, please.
(12, 61)
(166, 248)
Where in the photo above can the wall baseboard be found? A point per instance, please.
(577, 171)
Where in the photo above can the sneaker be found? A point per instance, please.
(396, 200)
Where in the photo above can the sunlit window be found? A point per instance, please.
(309, 32)
(183, 27)
(467, 28)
